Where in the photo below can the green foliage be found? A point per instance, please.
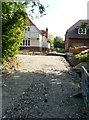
(51, 39)
(58, 42)
(24, 50)
(13, 18)
(83, 25)
(83, 58)
(60, 50)
(41, 9)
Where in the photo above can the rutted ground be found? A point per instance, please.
(42, 88)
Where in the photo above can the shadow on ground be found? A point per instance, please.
(42, 95)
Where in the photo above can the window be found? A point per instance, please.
(26, 43)
(28, 28)
(23, 42)
(82, 31)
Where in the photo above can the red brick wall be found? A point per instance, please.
(34, 48)
(66, 42)
(79, 41)
(69, 42)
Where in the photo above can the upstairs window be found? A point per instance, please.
(28, 28)
(82, 31)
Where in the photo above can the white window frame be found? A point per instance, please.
(82, 33)
(25, 43)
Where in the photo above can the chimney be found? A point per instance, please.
(46, 32)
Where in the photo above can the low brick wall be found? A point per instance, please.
(33, 53)
(30, 48)
(34, 48)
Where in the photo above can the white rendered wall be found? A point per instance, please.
(49, 45)
(45, 43)
(33, 33)
(34, 43)
(40, 40)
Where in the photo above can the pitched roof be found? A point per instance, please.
(43, 32)
(73, 31)
(30, 23)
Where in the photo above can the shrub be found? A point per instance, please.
(82, 58)
(60, 50)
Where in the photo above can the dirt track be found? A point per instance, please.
(42, 88)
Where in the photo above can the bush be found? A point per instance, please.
(82, 58)
(60, 50)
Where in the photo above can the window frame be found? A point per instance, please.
(83, 32)
(25, 43)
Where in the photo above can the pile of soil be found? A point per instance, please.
(79, 66)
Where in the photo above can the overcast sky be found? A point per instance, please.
(61, 14)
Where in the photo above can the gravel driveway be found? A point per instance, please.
(42, 88)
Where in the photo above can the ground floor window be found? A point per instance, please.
(29, 42)
(26, 43)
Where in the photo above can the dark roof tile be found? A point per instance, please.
(73, 31)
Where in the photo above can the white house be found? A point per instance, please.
(35, 39)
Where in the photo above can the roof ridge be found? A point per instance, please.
(76, 24)
(72, 25)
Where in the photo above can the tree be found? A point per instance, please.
(51, 39)
(13, 18)
(83, 25)
(58, 42)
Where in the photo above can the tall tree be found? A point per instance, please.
(13, 18)
(51, 39)
(58, 42)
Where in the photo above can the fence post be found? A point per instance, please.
(85, 87)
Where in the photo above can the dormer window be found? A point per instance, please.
(28, 28)
(82, 31)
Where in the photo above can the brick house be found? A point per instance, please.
(35, 39)
(75, 38)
